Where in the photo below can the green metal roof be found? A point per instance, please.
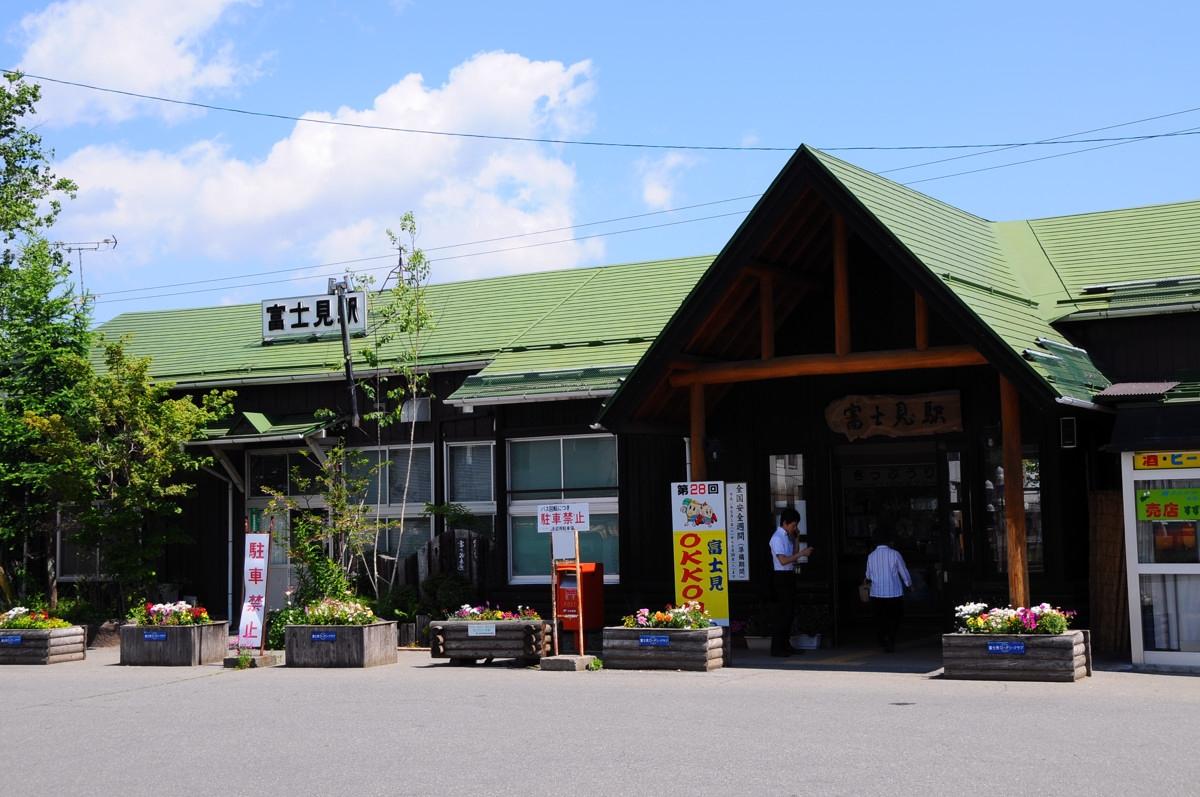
(542, 324)
(997, 270)
(257, 426)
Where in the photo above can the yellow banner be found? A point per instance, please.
(701, 559)
(1166, 460)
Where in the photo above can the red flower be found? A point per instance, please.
(149, 606)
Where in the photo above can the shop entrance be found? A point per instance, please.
(913, 488)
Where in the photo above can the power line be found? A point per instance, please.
(98, 300)
(434, 248)
(579, 142)
(1193, 130)
(431, 260)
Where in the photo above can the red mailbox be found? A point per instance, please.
(592, 576)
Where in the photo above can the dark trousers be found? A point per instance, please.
(888, 614)
(784, 585)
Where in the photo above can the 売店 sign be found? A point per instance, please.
(700, 551)
(1166, 460)
(1168, 505)
(895, 416)
(312, 316)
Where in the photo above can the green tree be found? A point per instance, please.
(44, 342)
(124, 462)
(402, 322)
(327, 540)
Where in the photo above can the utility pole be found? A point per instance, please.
(79, 247)
(340, 289)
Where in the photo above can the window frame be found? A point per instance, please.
(597, 505)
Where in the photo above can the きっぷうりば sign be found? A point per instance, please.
(1167, 505)
(254, 590)
(701, 547)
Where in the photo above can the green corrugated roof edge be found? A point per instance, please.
(246, 425)
(997, 270)
(602, 310)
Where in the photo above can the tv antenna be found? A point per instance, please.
(79, 247)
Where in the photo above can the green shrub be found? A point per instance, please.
(280, 619)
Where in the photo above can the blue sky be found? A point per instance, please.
(199, 195)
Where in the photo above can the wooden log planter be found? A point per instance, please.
(1017, 657)
(174, 645)
(341, 645)
(700, 649)
(42, 646)
(469, 640)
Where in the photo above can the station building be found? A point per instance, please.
(1018, 400)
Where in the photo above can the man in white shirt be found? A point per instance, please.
(888, 576)
(784, 555)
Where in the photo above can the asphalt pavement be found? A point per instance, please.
(826, 723)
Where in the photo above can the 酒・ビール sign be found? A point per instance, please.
(312, 316)
(1166, 460)
(895, 416)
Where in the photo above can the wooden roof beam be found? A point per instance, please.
(841, 288)
(829, 365)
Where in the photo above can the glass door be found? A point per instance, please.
(281, 576)
(1162, 557)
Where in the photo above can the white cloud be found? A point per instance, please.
(328, 193)
(660, 176)
(143, 46)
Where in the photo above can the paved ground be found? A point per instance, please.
(832, 723)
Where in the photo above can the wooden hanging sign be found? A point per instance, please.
(895, 416)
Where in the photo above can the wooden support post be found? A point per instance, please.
(841, 289)
(1014, 494)
(921, 322)
(766, 313)
(699, 473)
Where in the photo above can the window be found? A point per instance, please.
(570, 469)
(398, 479)
(993, 493)
(399, 482)
(470, 483)
(278, 471)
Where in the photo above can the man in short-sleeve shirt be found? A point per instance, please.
(784, 555)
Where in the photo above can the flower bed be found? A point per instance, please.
(1020, 644)
(340, 633)
(481, 632)
(172, 635)
(34, 637)
(676, 638)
